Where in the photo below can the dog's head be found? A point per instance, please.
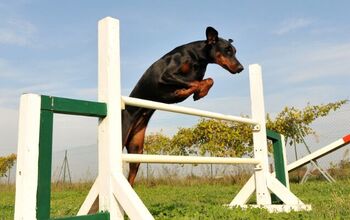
(223, 52)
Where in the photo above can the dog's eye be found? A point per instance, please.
(229, 51)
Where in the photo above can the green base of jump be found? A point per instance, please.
(98, 216)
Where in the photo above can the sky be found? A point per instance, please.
(50, 47)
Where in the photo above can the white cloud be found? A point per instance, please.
(314, 63)
(87, 93)
(330, 53)
(9, 98)
(60, 77)
(71, 131)
(8, 130)
(290, 25)
(6, 70)
(324, 61)
(17, 32)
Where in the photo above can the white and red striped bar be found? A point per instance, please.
(320, 153)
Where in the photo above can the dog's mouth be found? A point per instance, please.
(235, 70)
(231, 65)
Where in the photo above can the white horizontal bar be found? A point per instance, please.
(147, 158)
(317, 154)
(185, 110)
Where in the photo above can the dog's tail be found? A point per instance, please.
(126, 126)
(134, 119)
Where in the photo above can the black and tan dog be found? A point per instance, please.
(173, 78)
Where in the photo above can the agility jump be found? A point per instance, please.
(111, 189)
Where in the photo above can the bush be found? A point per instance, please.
(6, 163)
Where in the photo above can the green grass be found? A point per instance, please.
(7, 201)
(201, 200)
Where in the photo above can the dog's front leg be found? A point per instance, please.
(199, 89)
(203, 88)
(184, 93)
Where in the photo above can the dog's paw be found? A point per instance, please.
(196, 96)
(203, 89)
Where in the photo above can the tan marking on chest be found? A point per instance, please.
(186, 68)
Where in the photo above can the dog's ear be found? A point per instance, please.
(212, 35)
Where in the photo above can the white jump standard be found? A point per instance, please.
(111, 188)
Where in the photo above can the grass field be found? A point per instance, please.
(200, 200)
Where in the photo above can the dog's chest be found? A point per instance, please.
(192, 71)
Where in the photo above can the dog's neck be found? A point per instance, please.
(200, 52)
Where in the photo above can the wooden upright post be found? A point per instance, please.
(259, 135)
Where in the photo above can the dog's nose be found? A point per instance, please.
(240, 68)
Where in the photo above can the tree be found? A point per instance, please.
(295, 124)
(183, 142)
(222, 138)
(6, 163)
(216, 137)
(231, 139)
(157, 143)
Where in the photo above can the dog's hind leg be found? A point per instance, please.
(134, 144)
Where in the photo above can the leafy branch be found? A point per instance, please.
(223, 138)
(6, 163)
